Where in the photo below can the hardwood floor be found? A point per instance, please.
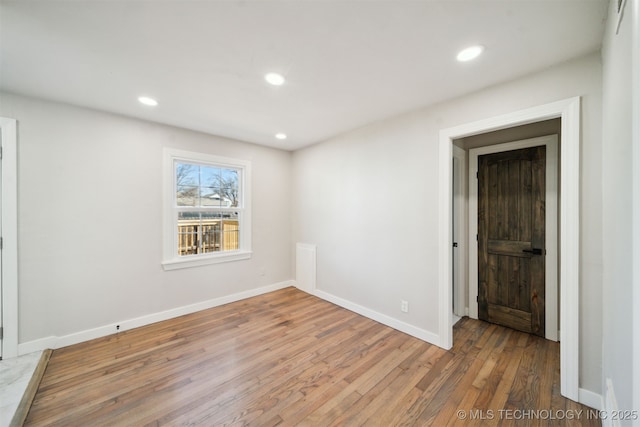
(288, 358)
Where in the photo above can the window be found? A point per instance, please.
(207, 209)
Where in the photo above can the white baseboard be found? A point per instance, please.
(399, 325)
(54, 342)
(589, 398)
(37, 345)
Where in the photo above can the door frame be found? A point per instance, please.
(568, 110)
(551, 225)
(9, 229)
(460, 303)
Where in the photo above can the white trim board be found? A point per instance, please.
(551, 226)
(9, 221)
(569, 112)
(591, 399)
(460, 231)
(54, 342)
(396, 324)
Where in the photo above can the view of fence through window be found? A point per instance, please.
(207, 199)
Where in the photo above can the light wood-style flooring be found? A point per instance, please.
(288, 358)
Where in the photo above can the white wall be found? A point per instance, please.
(90, 219)
(617, 171)
(369, 198)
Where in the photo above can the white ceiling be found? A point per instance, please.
(347, 63)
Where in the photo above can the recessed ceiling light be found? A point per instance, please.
(281, 135)
(147, 101)
(274, 79)
(469, 53)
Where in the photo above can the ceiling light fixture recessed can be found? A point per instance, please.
(147, 101)
(274, 79)
(470, 53)
(281, 135)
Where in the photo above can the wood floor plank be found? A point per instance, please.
(371, 388)
(290, 359)
(437, 393)
(405, 385)
(343, 382)
(454, 401)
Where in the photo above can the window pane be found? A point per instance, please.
(187, 195)
(229, 197)
(188, 227)
(206, 186)
(209, 176)
(187, 174)
(230, 177)
(226, 199)
(210, 196)
(206, 232)
(231, 234)
(213, 196)
(230, 186)
(211, 232)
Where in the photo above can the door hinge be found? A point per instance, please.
(1, 243)
(1, 332)
(0, 152)
(477, 298)
(476, 237)
(476, 175)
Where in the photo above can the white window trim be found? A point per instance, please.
(171, 260)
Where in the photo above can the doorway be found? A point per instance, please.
(568, 111)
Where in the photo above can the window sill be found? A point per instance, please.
(198, 261)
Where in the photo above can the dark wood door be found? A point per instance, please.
(511, 246)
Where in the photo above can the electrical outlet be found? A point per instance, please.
(404, 306)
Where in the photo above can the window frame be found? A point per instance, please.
(171, 259)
